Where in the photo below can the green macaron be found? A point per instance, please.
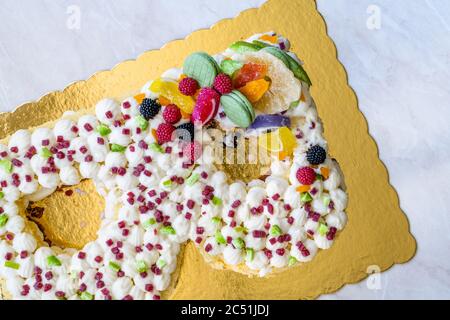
(202, 67)
(238, 109)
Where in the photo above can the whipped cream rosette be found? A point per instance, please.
(154, 158)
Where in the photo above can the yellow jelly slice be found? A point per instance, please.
(169, 89)
(281, 140)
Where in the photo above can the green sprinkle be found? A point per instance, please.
(141, 266)
(161, 263)
(292, 261)
(192, 179)
(53, 261)
(294, 104)
(275, 230)
(241, 229)
(1, 195)
(103, 130)
(114, 266)
(149, 223)
(118, 148)
(141, 122)
(6, 165)
(326, 199)
(3, 220)
(45, 153)
(167, 183)
(305, 197)
(230, 66)
(86, 296)
(319, 176)
(216, 201)
(156, 147)
(216, 220)
(168, 230)
(250, 254)
(239, 243)
(12, 265)
(219, 238)
(323, 229)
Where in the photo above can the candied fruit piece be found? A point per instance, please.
(169, 90)
(139, 98)
(249, 72)
(271, 39)
(164, 101)
(281, 141)
(255, 89)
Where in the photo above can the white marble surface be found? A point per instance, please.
(400, 73)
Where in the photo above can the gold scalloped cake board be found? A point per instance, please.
(377, 232)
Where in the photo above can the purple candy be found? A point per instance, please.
(270, 121)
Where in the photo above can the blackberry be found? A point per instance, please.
(185, 131)
(149, 108)
(316, 155)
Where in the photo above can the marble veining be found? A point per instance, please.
(396, 53)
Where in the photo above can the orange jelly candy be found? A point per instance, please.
(266, 37)
(164, 101)
(255, 89)
(249, 72)
(139, 98)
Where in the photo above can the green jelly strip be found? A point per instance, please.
(147, 224)
(12, 265)
(114, 266)
(250, 254)
(216, 201)
(45, 153)
(219, 238)
(3, 220)
(305, 197)
(323, 229)
(118, 148)
(239, 243)
(161, 263)
(156, 147)
(53, 261)
(192, 179)
(141, 266)
(6, 165)
(292, 261)
(103, 130)
(167, 183)
(86, 296)
(168, 230)
(141, 122)
(275, 230)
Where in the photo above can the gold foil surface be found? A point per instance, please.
(377, 233)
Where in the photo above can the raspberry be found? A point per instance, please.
(149, 108)
(171, 114)
(192, 151)
(316, 155)
(206, 106)
(306, 175)
(164, 133)
(188, 86)
(223, 83)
